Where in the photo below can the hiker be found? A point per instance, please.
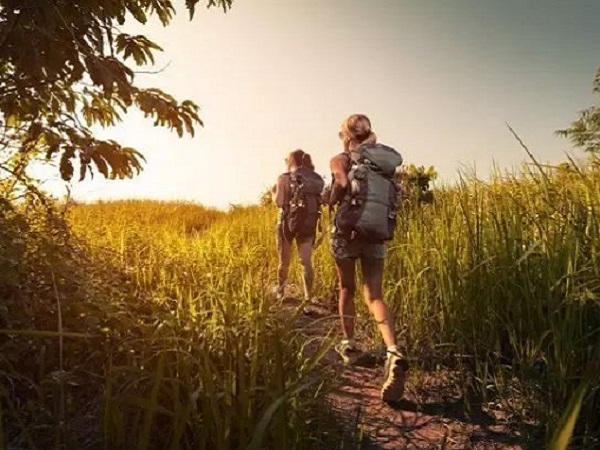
(364, 191)
(297, 194)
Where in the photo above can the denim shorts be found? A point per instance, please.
(342, 248)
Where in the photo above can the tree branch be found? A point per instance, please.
(153, 72)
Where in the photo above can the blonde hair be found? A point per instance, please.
(356, 131)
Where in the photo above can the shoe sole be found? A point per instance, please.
(393, 386)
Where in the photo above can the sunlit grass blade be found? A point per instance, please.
(564, 430)
(259, 435)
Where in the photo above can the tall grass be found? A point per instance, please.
(499, 278)
(225, 347)
(188, 350)
(507, 271)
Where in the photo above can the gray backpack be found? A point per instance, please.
(369, 209)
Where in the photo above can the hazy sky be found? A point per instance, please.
(438, 78)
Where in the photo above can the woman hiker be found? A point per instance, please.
(348, 244)
(297, 194)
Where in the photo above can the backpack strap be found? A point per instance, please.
(355, 157)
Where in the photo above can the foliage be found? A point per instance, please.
(415, 184)
(585, 131)
(266, 198)
(146, 335)
(66, 66)
(37, 259)
(562, 437)
(504, 272)
(497, 278)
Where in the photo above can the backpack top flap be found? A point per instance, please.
(385, 159)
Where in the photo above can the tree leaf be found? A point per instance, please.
(66, 167)
(67, 68)
(100, 164)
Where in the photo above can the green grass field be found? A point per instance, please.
(180, 345)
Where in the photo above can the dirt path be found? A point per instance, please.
(432, 415)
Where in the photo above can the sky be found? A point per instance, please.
(439, 80)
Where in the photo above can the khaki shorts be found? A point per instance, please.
(342, 248)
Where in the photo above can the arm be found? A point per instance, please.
(339, 170)
(278, 192)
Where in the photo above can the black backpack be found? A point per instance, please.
(369, 208)
(304, 209)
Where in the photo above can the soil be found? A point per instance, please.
(435, 412)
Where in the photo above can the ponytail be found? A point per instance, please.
(301, 159)
(307, 161)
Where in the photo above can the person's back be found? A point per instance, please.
(298, 196)
(304, 208)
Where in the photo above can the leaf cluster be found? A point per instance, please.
(66, 66)
(415, 184)
(584, 132)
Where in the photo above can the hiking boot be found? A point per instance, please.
(395, 373)
(348, 352)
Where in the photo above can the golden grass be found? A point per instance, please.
(500, 278)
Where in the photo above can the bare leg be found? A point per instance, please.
(308, 276)
(284, 252)
(346, 272)
(395, 366)
(372, 270)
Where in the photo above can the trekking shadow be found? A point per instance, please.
(455, 409)
(463, 411)
(369, 360)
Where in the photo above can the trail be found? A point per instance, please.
(432, 415)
